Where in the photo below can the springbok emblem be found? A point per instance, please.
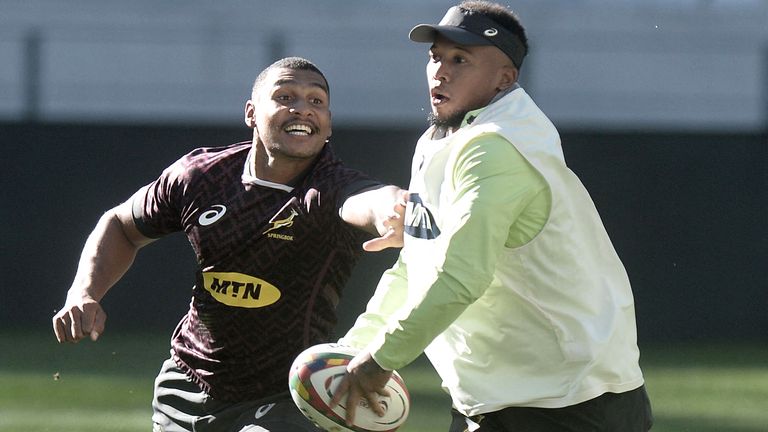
(282, 223)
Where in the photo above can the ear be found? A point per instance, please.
(330, 127)
(250, 111)
(507, 77)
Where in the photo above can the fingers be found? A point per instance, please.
(394, 226)
(98, 325)
(353, 400)
(371, 398)
(60, 329)
(396, 218)
(373, 401)
(66, 329)
(340, 391)
(346, 388)
(354, 392)
(364, 379)
(77, 322)
(390, 239)
(66, 325)
(401, 205)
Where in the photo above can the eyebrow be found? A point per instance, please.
(453, 46)
(285, 81)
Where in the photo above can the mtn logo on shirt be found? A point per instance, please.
(419, 222)
(240, 290)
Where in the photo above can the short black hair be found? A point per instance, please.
(293, 63)
(505, 17)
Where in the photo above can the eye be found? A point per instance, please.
(459, 59)
(282, 97)
(434, 57)
(317, 101)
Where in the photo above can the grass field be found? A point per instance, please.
(107, 386)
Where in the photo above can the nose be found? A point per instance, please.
(300, 108)
(437, 71)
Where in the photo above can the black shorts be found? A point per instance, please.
(610, 412)
(180, 406)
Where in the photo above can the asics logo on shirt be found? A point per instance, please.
(419, 222)
(211, 216)
(263, 410)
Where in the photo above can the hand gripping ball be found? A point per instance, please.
(313, 378)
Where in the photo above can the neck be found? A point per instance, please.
(451, 125)
(277, 168)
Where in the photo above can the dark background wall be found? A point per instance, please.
(687, 212)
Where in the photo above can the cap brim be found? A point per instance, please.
(427, 33)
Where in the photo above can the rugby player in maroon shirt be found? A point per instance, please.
(276, 225)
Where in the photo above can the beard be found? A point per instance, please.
(452, 121)
(293, 152)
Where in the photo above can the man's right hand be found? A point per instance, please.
(392, 228)
(78, 319)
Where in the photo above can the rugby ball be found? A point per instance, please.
(317, 372)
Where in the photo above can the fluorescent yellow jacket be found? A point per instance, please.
(545, 322)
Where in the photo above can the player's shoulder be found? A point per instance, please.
(342, 181)
(203, 159)
(489, 146)
(330, 168)
(218, 153)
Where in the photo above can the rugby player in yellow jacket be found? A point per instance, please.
(507, 280)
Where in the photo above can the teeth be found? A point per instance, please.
(299, 129)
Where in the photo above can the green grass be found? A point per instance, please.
(108, 386)
(708, 388)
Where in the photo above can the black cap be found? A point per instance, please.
(468, 28)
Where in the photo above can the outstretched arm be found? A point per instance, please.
(108, 253)
(378, 211)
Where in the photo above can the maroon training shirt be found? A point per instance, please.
(271, 265)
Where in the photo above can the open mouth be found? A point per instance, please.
(438, 98)
(298, 129)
